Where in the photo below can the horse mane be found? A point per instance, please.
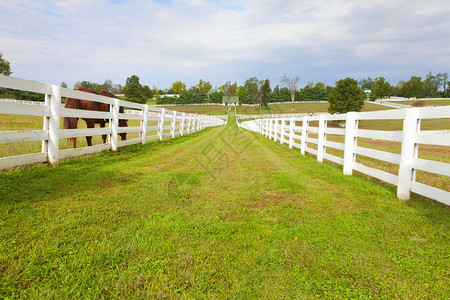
(111, 95)
(107, 94)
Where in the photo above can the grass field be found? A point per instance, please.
(224, 213)
(200, 109)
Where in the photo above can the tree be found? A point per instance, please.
(242, 93)
(366, 83)
(265, 92)
(346, 96)
(5, 67)
(430, 85)
(412, 88)
(319, 92)
(445, 81)
(63, 84)
(178, 87)
(249, 89)
(291, 84)
(229, 90)
(204, 86)
(380, 88)
(134, 91)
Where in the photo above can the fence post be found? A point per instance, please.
(53, 125)
(46, 125)
(195, 123)
(114, 124)
(350, 142)
(269, 128)
(144, 124)
(282, 133)
(266, 127)
(174, 121)
(411, 125)
(275, 130)
(161, 124)
(291, 132)
(182, 123)
(321, 138)
(189, 124)
(305, 124)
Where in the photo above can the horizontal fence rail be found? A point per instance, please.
(311, 134)
(166, 123)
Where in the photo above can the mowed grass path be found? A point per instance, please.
(223, 213)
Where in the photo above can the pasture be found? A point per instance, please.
(222, 213)
(284, 108)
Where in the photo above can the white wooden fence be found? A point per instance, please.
(285, 130)
(169, 123)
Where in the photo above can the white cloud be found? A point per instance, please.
(223, 40)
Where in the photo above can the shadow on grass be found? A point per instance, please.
(88, 173)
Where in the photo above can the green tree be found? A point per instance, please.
(178, 87)
(445, 81)
(204, 86)
(380, 88)
(266, 91)
(346, 96)
(229, 89)
(242, 93)
(250, 89)
(366, 83)
(430, 85)
(134, 91)
(5, 66)
(412, 88)
(215, 96)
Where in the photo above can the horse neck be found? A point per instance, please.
(72, 103)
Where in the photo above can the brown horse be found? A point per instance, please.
(71, 123)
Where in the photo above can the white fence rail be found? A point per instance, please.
(166, 123)
(286, 130)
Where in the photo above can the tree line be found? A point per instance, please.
(253, 91)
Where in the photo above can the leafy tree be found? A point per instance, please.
(215, 97)
(291, 84)
(5, 66)
(366, 83)
(412, 88)
(317, 93)
(204, 86)
(134, 91)
(346, 96)
(380, 88)
(242, 92)
(178, 87)
(280, 94)
(445, 81)
(321, 85)
(265, 92)
(63, 84)
(230, 89)
(430, 85)
(249, 88)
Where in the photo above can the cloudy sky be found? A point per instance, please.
(162, 41)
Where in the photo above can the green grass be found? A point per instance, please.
(200, 109)
(299, 108)
(223, 213)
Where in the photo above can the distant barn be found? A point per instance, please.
(227, 100)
